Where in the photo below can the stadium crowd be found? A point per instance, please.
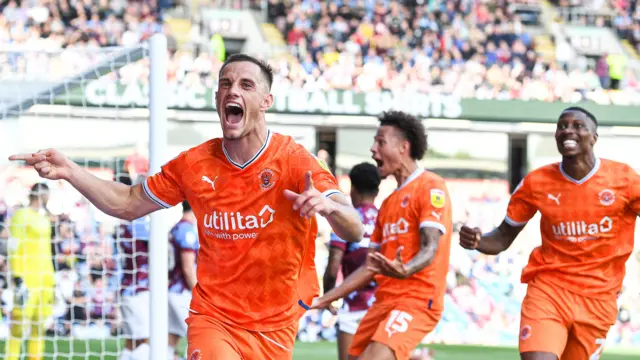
(54, 39)
(484, 292)
(623, 16)
(470, 49)
(467, 48)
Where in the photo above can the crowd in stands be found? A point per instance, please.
(32, 31)
(621, 15)
(466, 48)
(627, 21)
(470, 49)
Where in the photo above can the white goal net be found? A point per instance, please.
(65, 266)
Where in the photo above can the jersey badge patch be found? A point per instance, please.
(607, 197)
(437, 198)
(266, 178)
(321, 163)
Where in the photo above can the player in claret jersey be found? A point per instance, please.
(183, 249)
(134, 246)
(588, 212)
(348, 257)
(413, 223)
(255, 195)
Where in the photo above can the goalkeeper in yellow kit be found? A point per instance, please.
(32, 275)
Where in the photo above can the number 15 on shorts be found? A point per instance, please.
(398, 322)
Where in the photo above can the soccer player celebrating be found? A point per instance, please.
(183, 248)
(365, 181)
(32, 272)
(255, 194)
(588, 212)
(414, 223)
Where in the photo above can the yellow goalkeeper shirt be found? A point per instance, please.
(29, 248)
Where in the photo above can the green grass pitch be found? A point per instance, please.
(107, 349)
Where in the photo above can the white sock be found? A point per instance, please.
(171, 353)
(125, 354)
(141, 352)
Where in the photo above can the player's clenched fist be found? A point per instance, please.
(50, 164)
(470, 238)
(311, 201)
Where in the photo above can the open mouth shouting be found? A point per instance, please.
(233, 113)
(379, 163)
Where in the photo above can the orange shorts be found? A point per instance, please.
(212, 339)
(569, 325)
(400, 327)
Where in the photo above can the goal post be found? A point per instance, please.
(158, 247)
(87, 246)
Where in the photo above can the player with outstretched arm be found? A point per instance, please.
(255, 194)
(414, 223)
(588, 210)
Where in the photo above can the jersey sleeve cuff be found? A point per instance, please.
(512, 222)
(152, 196)
(331, 192)
(433, 224)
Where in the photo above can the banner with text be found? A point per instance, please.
(108, 93)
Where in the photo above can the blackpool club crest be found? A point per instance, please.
(266, 177)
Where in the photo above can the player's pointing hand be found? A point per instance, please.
(311, 201)
(50, 164)
(470, 238)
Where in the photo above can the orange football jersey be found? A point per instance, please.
(587, 226)
(422, 201)
(256, 265)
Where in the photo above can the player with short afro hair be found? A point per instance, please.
(411, 128)
(365, 178)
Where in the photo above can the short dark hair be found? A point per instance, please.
(265, 68)
(584, 111)
(411, 128)
(186, 206)
(365, 178)
(37, 189)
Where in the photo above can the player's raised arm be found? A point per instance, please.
(520, 210)
(342, 217)
(115, 199)
(491, 243)
(344, 220)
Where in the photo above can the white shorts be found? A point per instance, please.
(135, 313)
(348, 321)
(178, 312)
